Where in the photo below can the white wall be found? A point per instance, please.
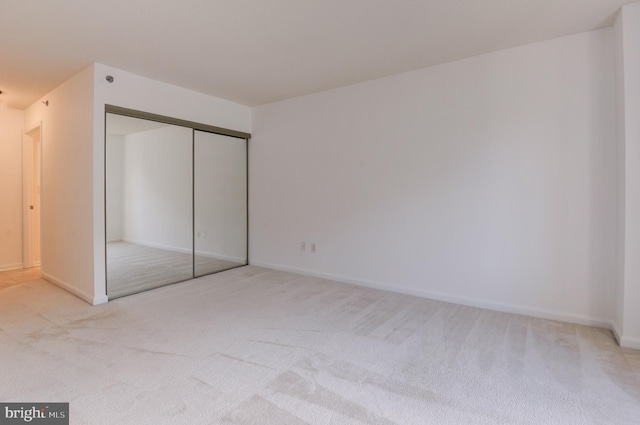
(67, 183)
(143, 94)
(11, 125)
(627, 48)
(489, 181)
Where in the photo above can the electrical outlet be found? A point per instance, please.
(303, 246)
(313, 247)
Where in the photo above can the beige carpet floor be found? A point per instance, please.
(255, 346)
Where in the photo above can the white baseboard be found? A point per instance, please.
(629, 342)
(101, 299)
(471, 302)
(13, 266)
(625, 341)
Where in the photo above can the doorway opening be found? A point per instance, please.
(32, 183)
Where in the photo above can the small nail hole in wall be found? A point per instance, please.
(110, 78)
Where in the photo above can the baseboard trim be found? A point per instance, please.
(14, 266)
(101, 299)
(629, 342)
(489, 305)
(625, 341)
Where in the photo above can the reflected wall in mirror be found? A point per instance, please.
(220, 202)
(148, 175)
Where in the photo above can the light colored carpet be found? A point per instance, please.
(134, 268)
(255, 346)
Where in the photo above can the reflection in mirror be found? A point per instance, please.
(149, 227)
(220, 202)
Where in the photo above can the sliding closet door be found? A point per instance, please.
(220, 202)
(149, 213)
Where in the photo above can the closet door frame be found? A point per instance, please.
(174, 121)
(118, 110)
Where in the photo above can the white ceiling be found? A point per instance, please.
(258, 51)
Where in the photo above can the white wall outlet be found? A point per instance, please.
(313, 247)
(303, 246)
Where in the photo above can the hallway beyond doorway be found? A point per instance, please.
(14, 277)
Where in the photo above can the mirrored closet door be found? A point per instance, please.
(176, 203)
(220, 202)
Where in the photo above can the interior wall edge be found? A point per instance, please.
(617, 332)
(577, 319)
